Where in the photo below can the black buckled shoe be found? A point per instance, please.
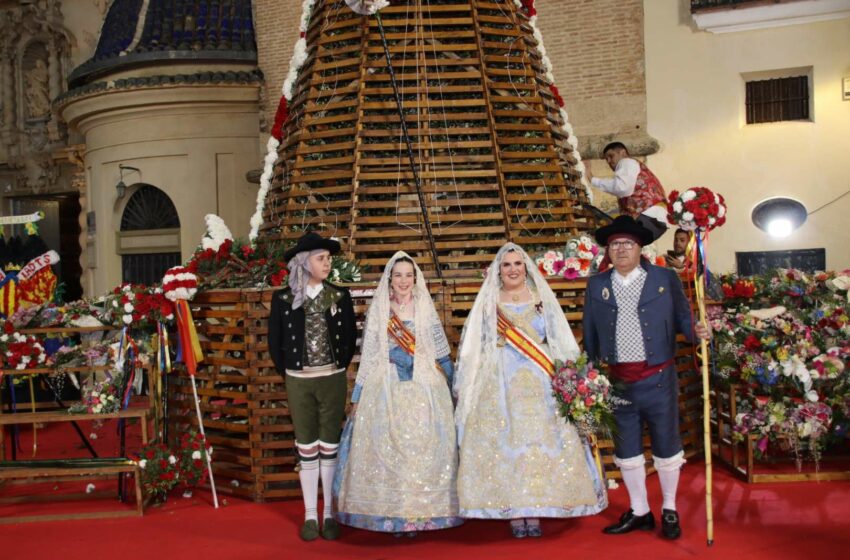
(670, 524)
(630, 522)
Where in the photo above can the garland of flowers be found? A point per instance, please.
(299, 56)
(528, 7)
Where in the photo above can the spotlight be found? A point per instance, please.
(779, 217)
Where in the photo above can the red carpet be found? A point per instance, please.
(775, 521)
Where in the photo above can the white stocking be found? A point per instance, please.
(634, 477)
(309, 477)
(668, 474)
(328, 467)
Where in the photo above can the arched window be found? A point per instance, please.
(149, 242)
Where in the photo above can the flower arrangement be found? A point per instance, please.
(193, 459)
(159, 469)
(238, 264)
(140, 306)
(343, 270)
(163, 468)
(784, 339)
(580, 259)
(21, 351)
(584, 397)
(103, 397)
(217, 233)
(696, 207)
(550, 263)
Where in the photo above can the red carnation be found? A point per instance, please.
(752, 343)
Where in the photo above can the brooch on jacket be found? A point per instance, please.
(605, 294)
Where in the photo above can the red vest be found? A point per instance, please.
(648, 192)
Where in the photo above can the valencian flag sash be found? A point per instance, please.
(190, 346)
(401, 334)
(520, 342)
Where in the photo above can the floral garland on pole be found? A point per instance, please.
(281, 116)
(528, 7)
(699, 210)
(180, 285)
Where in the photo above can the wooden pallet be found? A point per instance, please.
(485, 128)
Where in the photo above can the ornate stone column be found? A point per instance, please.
(8, 93)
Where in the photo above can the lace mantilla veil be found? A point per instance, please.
(478, 354)
(374, 353)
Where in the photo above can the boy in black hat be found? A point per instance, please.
(631, 316)
(312, 337)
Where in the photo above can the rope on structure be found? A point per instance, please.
(409, 145)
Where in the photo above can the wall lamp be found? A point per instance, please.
(121, 187)
(779, 217)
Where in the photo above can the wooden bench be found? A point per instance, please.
(70, 467)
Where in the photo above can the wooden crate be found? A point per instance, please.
(739, 456)
(243, 398)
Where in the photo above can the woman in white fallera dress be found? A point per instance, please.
(398, 456)
(519, 460)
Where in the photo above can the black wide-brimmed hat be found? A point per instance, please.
(311, 241)
(624, 225)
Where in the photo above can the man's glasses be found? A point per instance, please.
(628, 245)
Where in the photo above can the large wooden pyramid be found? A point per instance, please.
(488, 137)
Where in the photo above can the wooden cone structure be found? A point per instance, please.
(492, 150)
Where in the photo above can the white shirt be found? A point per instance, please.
(622, 184)
(628, 278)
(312, 291)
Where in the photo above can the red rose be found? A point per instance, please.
(8, 327)
(752, 343)
(588, 401)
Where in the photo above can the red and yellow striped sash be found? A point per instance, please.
(401, 334)
(524, 345)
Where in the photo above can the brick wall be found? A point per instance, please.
(276, 26)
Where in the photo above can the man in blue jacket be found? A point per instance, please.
(631, 316)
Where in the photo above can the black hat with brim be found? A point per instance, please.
(310, 242)
(624, 225)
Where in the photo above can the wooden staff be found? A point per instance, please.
(699, 292)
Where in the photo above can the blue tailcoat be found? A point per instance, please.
(663, 310)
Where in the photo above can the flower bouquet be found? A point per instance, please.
(193, 459)
(160, 470)
(103, 397)
(583, 394)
